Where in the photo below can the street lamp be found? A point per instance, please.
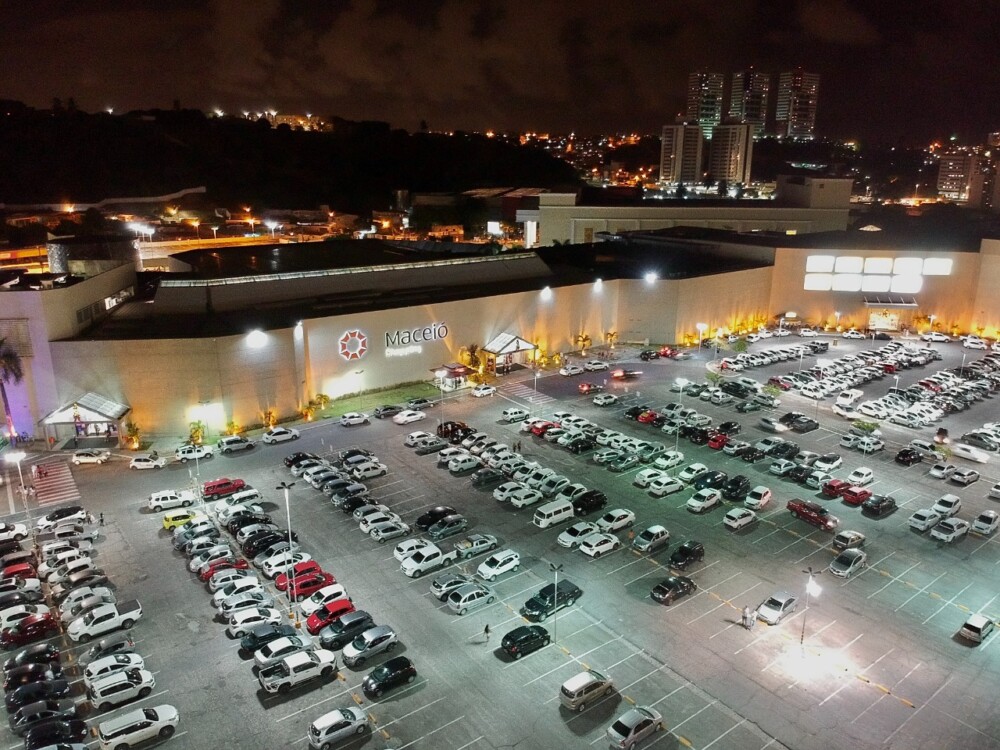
(555, 614)
(272, 225)
(836, 316)
(812, 589)
(702, 327)
(196, 224)
(439, 376)
(16, 457)
(215, 233)
(781, 323)
(358, 374)
(285, 486)
(932, 318)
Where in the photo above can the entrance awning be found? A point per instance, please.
(90, 407)
(508, 343)
(454, 370)
(890, 301)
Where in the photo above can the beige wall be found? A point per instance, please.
(986, 302)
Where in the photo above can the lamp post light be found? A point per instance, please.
(197, 228)
(702, 327)
(781, 324)
(272, 225)
(932, 318)
(812, 589)
(16, 457)
(284, 487)
(555, 615)
(439, 376)
(358, 374)
(215, 233)
(836, 317)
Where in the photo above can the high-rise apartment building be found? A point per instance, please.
(704, 100)
(681, 153)
(730, 153)
(796, 110)
(955, 171)
(749, 97)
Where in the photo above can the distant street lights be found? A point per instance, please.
(272, 225)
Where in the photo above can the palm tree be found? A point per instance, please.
(11, 370)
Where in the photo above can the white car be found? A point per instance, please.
(279, 563)
(576, 533)
(594, 365)
(245, 600)
(995, 491)
(704, 500)
(499, 563)
(369, 522)
(852, 334)
(409, 415)
(242, 585)
(506, 491)
(739, 518)
(947, 505)
(690, 472)
(869, 445)
(669, 460)
(758, 498)
(279, 435)
(986, 523)
(463, 463)
(828, 462)
(861, 476)
(808, 332)
(409, 548)
(771, 424)
(605, 399)
(414, 438)
(86, 592)
(570, 370)
(971, 343)
(484, 390)
(13, 615)
(355, 418)
(599, 544)
(167, 499)
(90, 456)
(849, 562)
(223, 578)
(13, 531)
(110, 664)
(228, 511)
(386, 530)
(525, 497)
(242, 622)
(924, 519)
(950, 530)
(665, 485)
(935, 336)
(616, 520)
(369, 470)
(147, 462)
(647, 476)
(321, 598)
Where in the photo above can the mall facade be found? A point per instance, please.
(234, 333)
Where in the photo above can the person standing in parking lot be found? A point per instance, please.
(486, 632)
(747, 622)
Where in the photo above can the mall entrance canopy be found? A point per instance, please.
(452, 377)
(505, 350)
(89, 416)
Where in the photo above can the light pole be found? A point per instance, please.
(836, 316)
(555, 614)
(272, 225)
(285, 486)
(358, 374)
(439, 376)
(197, 231)
(812, 589)
(702, 327)
(16, 457)
(536, 381)
(781, 323)
(932, 318)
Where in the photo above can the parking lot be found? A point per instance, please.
(871, 661)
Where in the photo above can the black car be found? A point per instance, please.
(351, 504)
(580, 445)
(790, 417)
(670, 589)
(699, 435)
(487, 477)
(799, 474)
(625, 374)
(685, 430)
(633, 412)
(689, 552)
(387, 410)
(589, 501)
(734, 389)
(745, 407)
(28, 673)
(549, 599)
(461, 433)
(711, 478)
(524, 639)
(908, 457)
(805, 424)
(260, 635)
(33, 714)
(336, 485)
(61, 513)
(345, 629)
(55, 734)
(882, 336)
(658, 421)
(13, 599)
(11, 545)
(447, 429)
(730, 428)
(246, 513)
(298, 457)
(695, 389)
(234, 525)
(784, 450)
(33, 692)
(434, 515)
(879, 505)
(736, 488)
(419, 404)
(38, 653)
(752, 455)
(115, 643)
(395, 672)
(649, 354)
(260, 542)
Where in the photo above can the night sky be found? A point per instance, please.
(891, 71)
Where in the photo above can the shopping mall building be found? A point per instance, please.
(229, 334)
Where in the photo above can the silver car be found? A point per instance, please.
(373, 641)
(276, 650)
(634, 725)
(777, 607)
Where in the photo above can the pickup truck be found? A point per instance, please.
(190, 452)
(103, 619)
(813, 513)
(295, 669)
(427, 559)
(475, 544)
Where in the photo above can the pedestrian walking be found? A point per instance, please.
(631, 535)
(486, 632)
(90, 517)
(753, 620)
(746, 618)
(102, 519)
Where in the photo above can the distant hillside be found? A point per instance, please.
(49, 157)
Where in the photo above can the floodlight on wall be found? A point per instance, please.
(847, 282)
(937, 266)
(651, 277)
(256, 339)
(546, 294)
(598, 285)
(907, 266)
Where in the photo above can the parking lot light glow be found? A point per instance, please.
(598, 285)
(256, 339)
(546, 294)
(651, 277)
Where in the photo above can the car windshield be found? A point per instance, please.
(773, 603)
(621, 729)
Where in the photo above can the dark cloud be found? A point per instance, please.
(889, 70)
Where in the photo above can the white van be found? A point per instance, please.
(553, 513)
(849, 397)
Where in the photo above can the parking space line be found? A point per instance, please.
(317, 703)
(468, 744)
(893, 579)
(723, 603)
(414, 711)
(734, 726)
(675, 727)
(575, 659)
(950, 601)
(657, 568)
(918, 710)
(433, 731)
(640, 558)
(919, 592)
(859, 675)
(874, 565)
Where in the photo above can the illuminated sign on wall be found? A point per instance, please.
(433, 332)
(850, 273)
(353, 345)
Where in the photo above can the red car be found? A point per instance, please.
(328, 614)
(299, 569)
(779, 381)
(307, 584)
(540, 429)
(718, 441)
(835, 487)
(226, 563)
(589, 387)
(222, 486)
(855, 495)
(29, 629)
(647, 416)
(19, 570)
(666, 351)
